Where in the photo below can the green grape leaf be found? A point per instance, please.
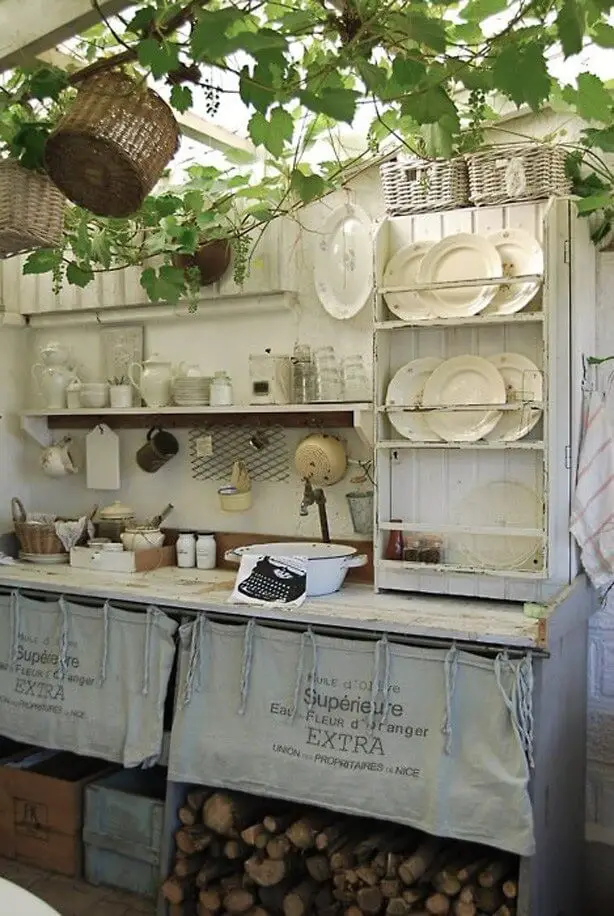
(308, 187)
(142, 19)
(407, 72)
(593, 101)
(79, 275)
(570, 23)
(429, 106)
(520, 72)
(594, 202)
(339, 104)
(159, 58)
(422, 29)
(48, 82)
(477, 10)
(181, 98)
(603, 35)
(209, 40)
(42, 261)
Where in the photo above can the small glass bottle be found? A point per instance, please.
(205, 551)
(303, 376)
(395, 546)
(186, 550)
(221, 391)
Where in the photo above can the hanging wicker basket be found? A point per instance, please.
(530, 171)
(112, 147)
(31, 210)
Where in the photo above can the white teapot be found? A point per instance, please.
(56, 460)
(154, 382)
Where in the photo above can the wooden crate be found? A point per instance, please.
(41, 804)
(122, 829)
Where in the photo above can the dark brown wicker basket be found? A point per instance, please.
(34, 538)
(111, 148)
(31, 210)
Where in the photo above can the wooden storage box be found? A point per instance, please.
(122, 829)
(41, 803)
(128, 561)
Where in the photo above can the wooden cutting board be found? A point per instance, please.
(102, 459)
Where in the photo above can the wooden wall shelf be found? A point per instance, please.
(39, 423)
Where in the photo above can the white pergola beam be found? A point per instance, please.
(28, 27)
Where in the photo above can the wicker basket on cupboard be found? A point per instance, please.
(505, 174)
(418, 185)
(112, 146)
(31, 210)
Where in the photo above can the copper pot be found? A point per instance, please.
(211, 259)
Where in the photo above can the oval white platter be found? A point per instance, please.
(500, 504)
(406, 389)
(463, 381)
(343, 269)
(402, 270)
(463, 256)
(523, 382)
(521, 254)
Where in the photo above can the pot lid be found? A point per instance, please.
(309, 551)
(115, 511)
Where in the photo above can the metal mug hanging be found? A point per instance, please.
(159, 448)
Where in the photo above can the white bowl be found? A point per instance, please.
(94, 394)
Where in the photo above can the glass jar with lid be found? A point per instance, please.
(221, 390)
(113, 520)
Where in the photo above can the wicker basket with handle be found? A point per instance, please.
(34, 537)
(418, 186)
(111, 148)
(529, 171)
(31, 210)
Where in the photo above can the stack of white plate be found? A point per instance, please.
(458, 258)
(191, 391)
(428, 393)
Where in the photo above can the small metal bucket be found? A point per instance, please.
(361, 510)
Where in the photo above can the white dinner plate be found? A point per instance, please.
(406, 389)
(44, 559)
(521, 254)
(402, 270)
(343, 270)
(461, 257)
(523, 382)
(461, 382)
(500, 504)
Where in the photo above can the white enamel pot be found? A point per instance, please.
(327, 564)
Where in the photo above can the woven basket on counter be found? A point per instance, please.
(111, 148)
(505, 174)
(31, 210)
(34, 537)
(417, 185)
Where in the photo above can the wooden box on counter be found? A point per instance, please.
(41, 808)
(128, 561)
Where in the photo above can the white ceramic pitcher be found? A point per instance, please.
(154, 382)
(52, 382)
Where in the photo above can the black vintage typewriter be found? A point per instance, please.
(271, 581)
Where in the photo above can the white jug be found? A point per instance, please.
(56, 460)
(52, 382)
(155, 380)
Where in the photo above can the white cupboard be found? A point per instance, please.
(495, 512)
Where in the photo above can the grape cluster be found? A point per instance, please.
(213, 97)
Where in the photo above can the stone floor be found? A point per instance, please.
(74, 898)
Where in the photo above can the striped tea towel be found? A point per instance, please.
(592, 507)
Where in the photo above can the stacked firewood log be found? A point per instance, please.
(239, 855)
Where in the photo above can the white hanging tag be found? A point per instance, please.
(102, 459)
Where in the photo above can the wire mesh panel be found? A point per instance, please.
(214, 449)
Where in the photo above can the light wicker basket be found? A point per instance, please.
(31, 210)
(111, 148)
(34, 538)
(505, 174)
(418, 185)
